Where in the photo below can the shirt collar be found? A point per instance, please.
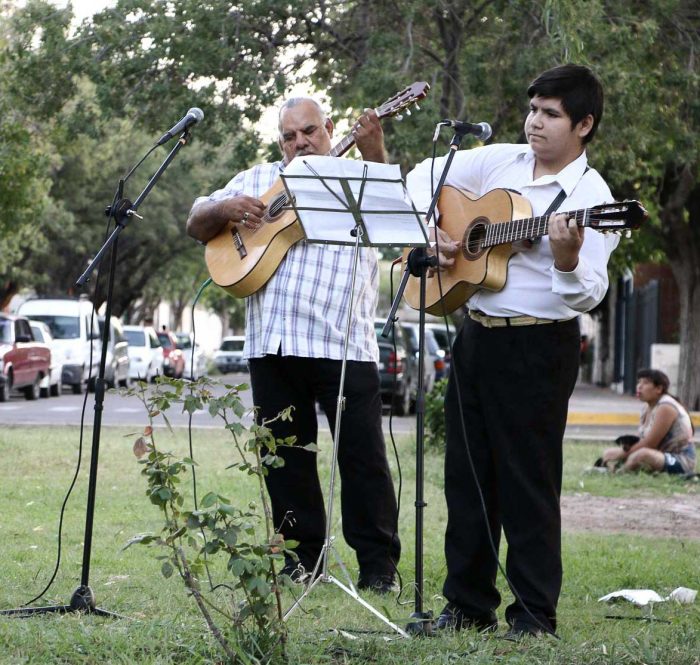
(567, 178)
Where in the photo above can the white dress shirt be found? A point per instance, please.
(534, 287)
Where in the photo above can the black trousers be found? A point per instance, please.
(368, 502)
(514, 389)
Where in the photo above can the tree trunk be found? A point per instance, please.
(8, 289)
(689, 362)
(680, 217)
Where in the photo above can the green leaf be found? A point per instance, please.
(209, 499)
(166, 569)
(230, 536)
(237, 566)
(164, 493)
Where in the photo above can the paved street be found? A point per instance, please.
(118, 411)
(594, 412)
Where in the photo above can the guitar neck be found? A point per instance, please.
(340, 148)
(529, 228)
(348, 141)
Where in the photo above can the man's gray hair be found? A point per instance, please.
(293, 101)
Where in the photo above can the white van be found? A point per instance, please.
(76, 333)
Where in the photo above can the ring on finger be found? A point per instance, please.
(246, 214)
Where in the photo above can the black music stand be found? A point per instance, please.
(417, 264)
(352, 205)
(121, 211)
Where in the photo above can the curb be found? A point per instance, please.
(592, 418)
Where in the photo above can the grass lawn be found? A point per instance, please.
(162, 625)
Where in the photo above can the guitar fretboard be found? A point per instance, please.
(342, 146)
(530, 228)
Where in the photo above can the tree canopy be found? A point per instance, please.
(82, 103)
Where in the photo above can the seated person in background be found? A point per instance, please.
(665, 431)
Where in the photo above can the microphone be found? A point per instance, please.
(194, 115)
(481, 130)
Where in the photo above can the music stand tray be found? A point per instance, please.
(347, 202)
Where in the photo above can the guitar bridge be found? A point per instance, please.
(238, 244)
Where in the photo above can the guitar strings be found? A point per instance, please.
(498, 233)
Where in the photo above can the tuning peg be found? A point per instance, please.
(408, 111)
(628, 233)
(399, 117)
(417, 107)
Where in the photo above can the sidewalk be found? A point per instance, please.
(601, 413)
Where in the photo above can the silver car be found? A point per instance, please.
(229, 357)
(195, 358)
(117, 361)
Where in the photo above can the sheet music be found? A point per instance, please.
(387, 211)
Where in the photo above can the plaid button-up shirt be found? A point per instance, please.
(302, 310)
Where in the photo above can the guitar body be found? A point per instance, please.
(464, 217)
(240, 260)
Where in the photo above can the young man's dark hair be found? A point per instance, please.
(579, 89)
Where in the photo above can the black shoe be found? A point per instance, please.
(453, 617)
(382, 583)
(520, 629)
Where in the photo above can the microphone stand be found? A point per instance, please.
(417, 263)
(122, 210)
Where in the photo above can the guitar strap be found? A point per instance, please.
(558, 200)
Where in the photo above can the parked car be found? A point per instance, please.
(445, 337)
(145, 353)
(195, 358)
(173, 357)
(229, 357)
(117, 360)
(51, 384)
(76, 332)
(431, 366)
(395, 385)
(409, 359)
(24, 362)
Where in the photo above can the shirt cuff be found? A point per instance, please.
(575, 276)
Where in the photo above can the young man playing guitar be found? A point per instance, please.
(515, 361)
(295, 336)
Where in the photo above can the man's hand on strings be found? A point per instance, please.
(445, 248)
(245, 210)
(565, 239)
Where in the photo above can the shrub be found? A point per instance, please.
(435, 416)
(242, 536)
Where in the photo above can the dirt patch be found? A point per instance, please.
(676, 516)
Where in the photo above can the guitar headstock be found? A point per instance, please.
(617, 216)
(402, 100)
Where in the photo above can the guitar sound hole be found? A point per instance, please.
(474, 236)
(276, 207)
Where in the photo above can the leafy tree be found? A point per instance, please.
(24, 163)
(65, 157)
(478, 56)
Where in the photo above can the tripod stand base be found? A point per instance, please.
(422, 624)
(82, 600)
(329, 579)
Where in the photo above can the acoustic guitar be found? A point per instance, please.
(485, 228)
(242, 260)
